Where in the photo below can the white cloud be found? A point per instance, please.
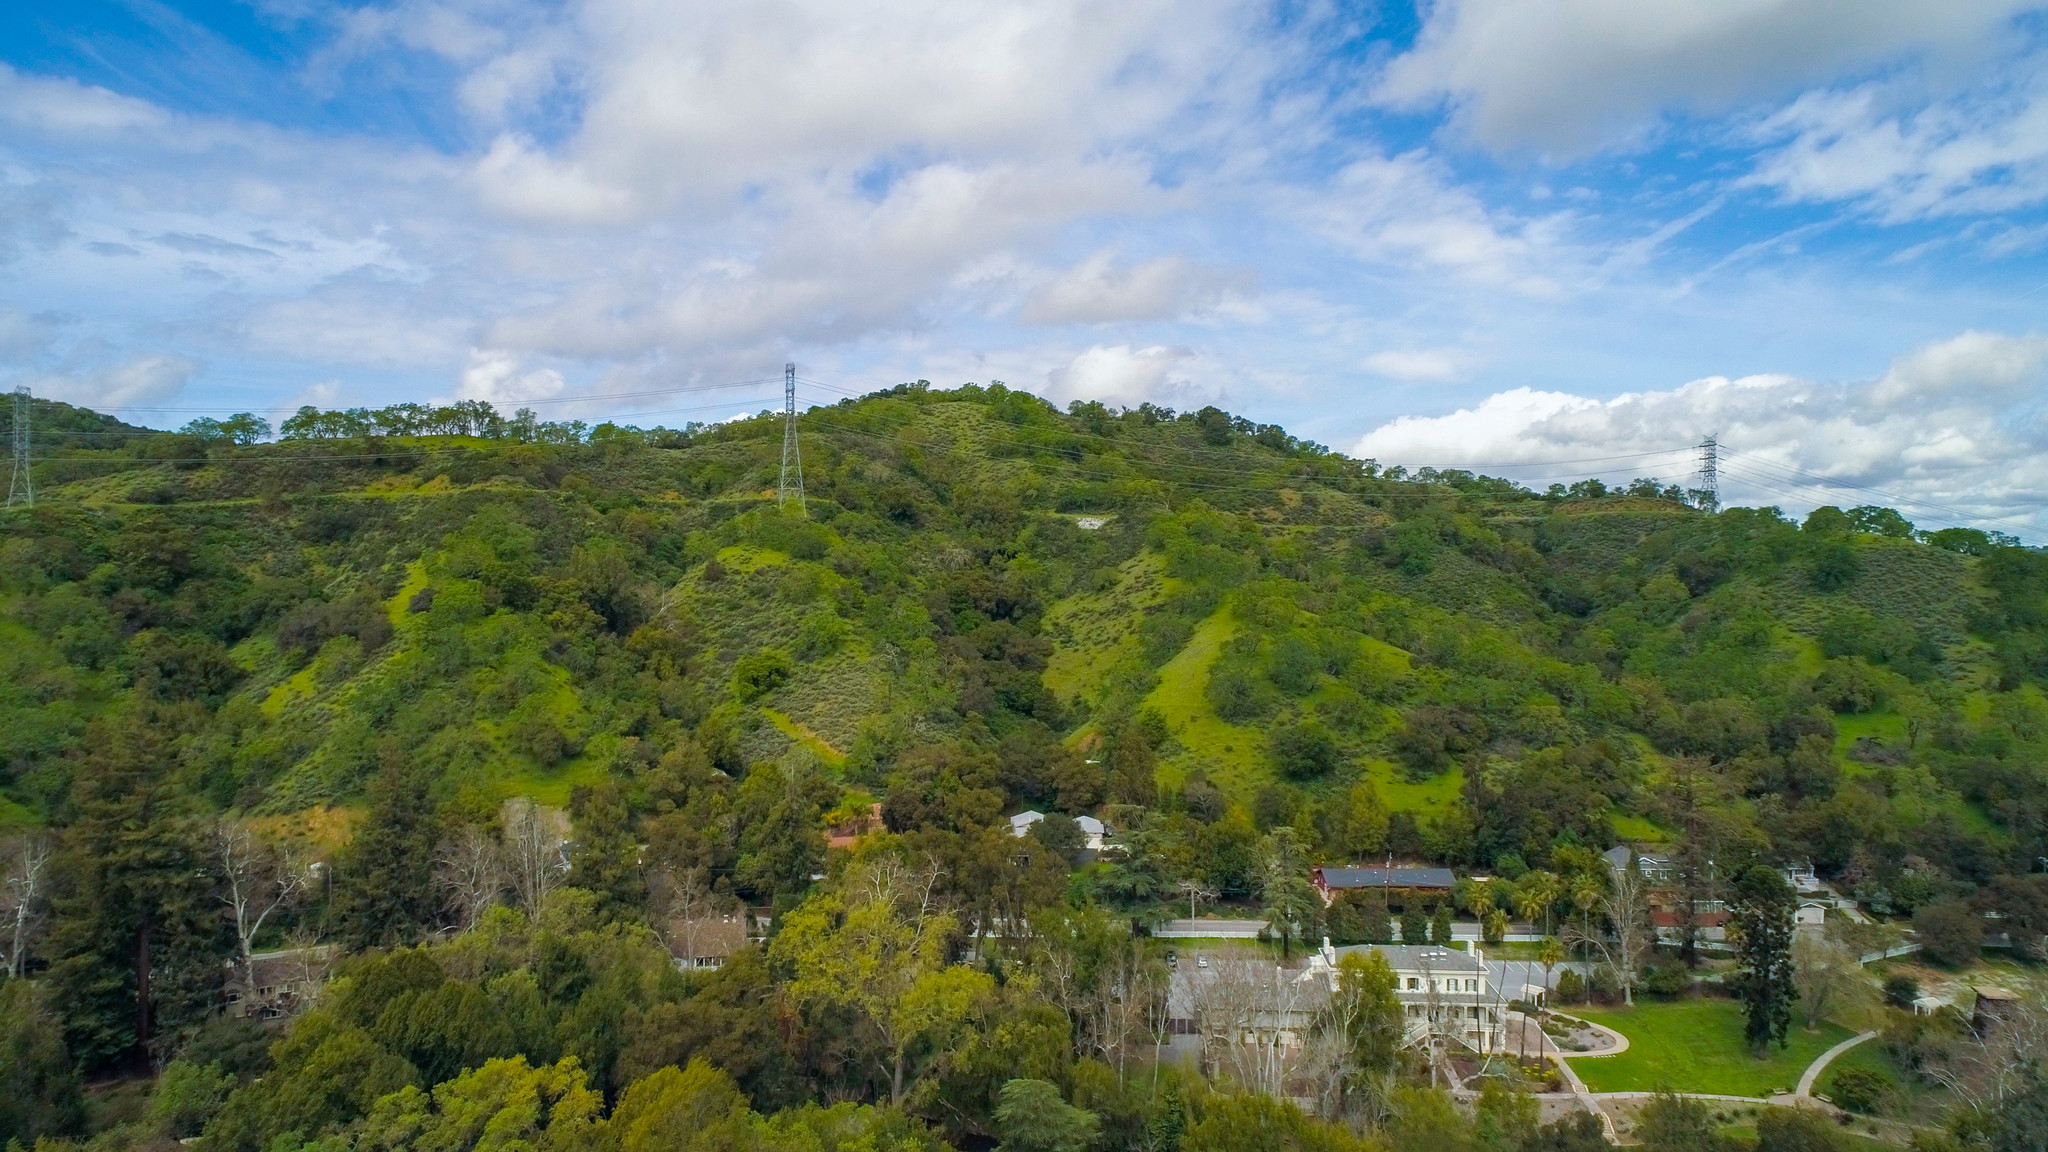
(1409, 211)
(136, 381)
(1099, 291)
(1563, 77)
(1122, 375)
(1982, 152)
(1952, 425)
(496, 376)
(355, 319)
(830, 266)
(695, 103)
(66, 108)
(1435, 365)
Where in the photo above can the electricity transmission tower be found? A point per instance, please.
(792, 485)
(21, 488)
(1708, 494)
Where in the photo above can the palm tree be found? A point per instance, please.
(1550, 954)
(1586, 894)
(1478, 899)
(1534, 896)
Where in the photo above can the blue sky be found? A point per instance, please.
(1473, 232)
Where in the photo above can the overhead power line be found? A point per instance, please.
(579, 398)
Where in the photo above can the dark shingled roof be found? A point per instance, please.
(1386, 877)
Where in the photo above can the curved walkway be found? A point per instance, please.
(1814, 1069)
(1620, 1040)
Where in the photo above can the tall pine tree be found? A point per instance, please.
(385, 889)
(139, 947)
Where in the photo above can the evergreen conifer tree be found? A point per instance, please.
(1763, 919)
(386, 890)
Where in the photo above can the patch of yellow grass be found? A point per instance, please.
(804, 736)
(322, 830)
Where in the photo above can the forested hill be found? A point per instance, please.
(366, 636)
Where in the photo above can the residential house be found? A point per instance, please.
(1995, 1008)
(1666, 899)
(699, 942)
(1094, 833)
(1658, 870)
(1249, 1015)
(1803, 879)
(279, 983)
(1395, 882)
(1443, 991)
(846, 832)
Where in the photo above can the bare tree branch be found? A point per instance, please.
(534, 838)
(470, 871)
(259, 878)
(24, 860)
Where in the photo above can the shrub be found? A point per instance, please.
(1433, 736)
(1795, 1130)
(822, 634)
(1303, 750)
(1950, 932)
(1901, 990)
(187, 1096)
(1849, 685)
(1835, 566)
(1570, 985)
(759, 673)
(1865, 1090)
(1295, 666)
(1666, 980)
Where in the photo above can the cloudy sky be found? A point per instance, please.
(1548, 237)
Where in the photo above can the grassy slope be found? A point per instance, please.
(1233, 757)
(1096, 631)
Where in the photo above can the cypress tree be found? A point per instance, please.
(1763, 920)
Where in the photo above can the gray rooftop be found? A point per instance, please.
(1617, 858)
(1336, 877)
(1416, 957)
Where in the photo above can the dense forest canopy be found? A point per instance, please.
(373, 652)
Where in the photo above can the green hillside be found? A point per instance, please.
(521, 618)
(1244, 651)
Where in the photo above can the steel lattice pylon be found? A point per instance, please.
(792, 483)
(21, 487)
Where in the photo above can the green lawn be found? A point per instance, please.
(1696, 1046)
